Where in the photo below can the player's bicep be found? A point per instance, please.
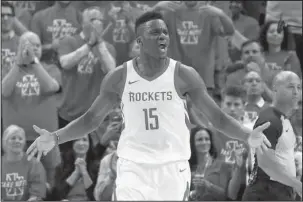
(194, 87)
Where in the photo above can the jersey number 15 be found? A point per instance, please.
(149, 116)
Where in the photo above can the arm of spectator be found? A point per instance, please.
(18, 27)
(107, 55)
(69, 57)
(190, 83)
(222, 24)
(252, 31)
(87, 180)
(35, 24)
(48, 83)
(37, 181)
(9, 81)
(25, 18)
(292, 63)
(268, 160)
(219, 191)
(237, 39)
(105, 182)
(109, 97)
(235, 182)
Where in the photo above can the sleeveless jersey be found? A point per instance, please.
(155, 119)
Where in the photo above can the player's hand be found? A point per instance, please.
(258, 140)
(42, 145)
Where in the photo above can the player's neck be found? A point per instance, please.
(284, 108)
(151, 64)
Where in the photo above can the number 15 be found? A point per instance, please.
(148, 114)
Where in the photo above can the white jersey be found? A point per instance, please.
(156, 120)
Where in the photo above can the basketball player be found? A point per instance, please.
(274, 174)
(154, 146)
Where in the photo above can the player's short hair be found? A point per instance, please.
(147, 16)
(251, 41)
(234, 91)
(8, 4)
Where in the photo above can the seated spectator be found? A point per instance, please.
(85, 60)
(252, 58)
(212, 179)
(246, 25)
(22, 180)
(296, 120)
(254, 101)
(106, 178)
(275, 48)
(54, 23)
(76, 177)
(28, 93)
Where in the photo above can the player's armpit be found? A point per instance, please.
(190, 83)
(271, 166)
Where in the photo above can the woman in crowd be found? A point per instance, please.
(76, 176)
(212, 179)
(275, 45)
(21, 179)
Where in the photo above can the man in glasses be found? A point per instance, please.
(85, 60)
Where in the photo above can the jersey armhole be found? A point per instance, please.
(123, 81)
(176, 75)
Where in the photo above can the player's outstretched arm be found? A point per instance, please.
(108, 98)
(191, 84)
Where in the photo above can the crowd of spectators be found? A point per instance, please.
(53, 62)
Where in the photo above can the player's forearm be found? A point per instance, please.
(9, 81)
(48, 83)
(231, 127)
(72, 59)
(106, 57)
(269, 164)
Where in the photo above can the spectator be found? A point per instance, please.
(252, 58)
(9, 39)
(85, 59)
(291, 13)
(32, 6)
(22, 180)
(52, 24)
(246, 25)
(76, 176)
(28, 93)
(255, 9)
(254, 103)
(187, 24)
(212, 179)
(275, 49)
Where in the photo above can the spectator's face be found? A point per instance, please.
(252, 53)
(15, 143)
(154, 38)
(289, 91)
(233, 106)
(94, 18)
(191, 4)
(36, 43)
(81, 146)
(202, 141)
(7, 19)
(272, 35)
(235, 7)
(253, 84)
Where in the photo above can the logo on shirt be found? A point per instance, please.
(13, 185)
(121, 33)
(189, 33)
(61, 28)
(86, 65)
(29, 86)
(231, 149)
(131, 82)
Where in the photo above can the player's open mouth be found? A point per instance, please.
(162, 47)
